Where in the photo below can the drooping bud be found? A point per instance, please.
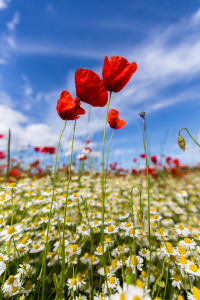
(139, 215)
(181, 142)
(129, 277)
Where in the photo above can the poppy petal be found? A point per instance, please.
(90, 88)
(120, 82)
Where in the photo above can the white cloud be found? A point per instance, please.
(4, 4)
(15, 20)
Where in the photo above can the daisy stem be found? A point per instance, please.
(103, 193)
(167, 277)
(45, 253)
(65, 211)
(12, 207)
(149, 270)
(189, 135)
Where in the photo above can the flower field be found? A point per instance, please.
(84, 234)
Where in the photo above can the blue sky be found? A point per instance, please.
(42, 43)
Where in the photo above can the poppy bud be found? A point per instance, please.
(139, 215)
(129, 278)
(142, 114)
(181, 142)
(79, 217)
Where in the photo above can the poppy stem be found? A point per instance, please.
(189, 135)
(103, 192)
(46, 244)
(65, 211)
(108, 155)
(149, 226)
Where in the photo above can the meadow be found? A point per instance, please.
(83, 234)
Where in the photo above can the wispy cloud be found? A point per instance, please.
(15, 20)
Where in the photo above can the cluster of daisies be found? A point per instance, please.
(125, 266)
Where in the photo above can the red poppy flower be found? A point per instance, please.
(113, 166)
(14, 173)
(37, 149)
(154, 160)
(1, 136)
(142, 155)
(168, 160)
(134, 159)
(90, 88)
(117, 73)
(67, 106)
(176, 162)
(134, 172)
(113, 119)
(2, 155)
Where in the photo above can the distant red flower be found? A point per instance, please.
(142, 155)
(37, 149)
(113, 166)
(134, 172)
(2, 155)
(117, 72)
(52, 150)
(114, 121)
(154, 159)
(87, 142)
(1, 136)
(47, 149)
(134, 159)
(87, 150)
(176, 162)
(14, 173)
(67, 106)
(82, 157)
(169, 160)
(90, 88)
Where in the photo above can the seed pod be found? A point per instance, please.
(129, 278)
(139, 215)
(181, 142)
(142, 114)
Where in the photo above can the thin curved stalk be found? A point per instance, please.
(189, 135)
(48, 225)
(149, 226)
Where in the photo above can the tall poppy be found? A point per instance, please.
(90, 88)
(117, 72)
(67, 106)
(113, 119)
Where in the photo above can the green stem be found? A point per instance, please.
(8, 158)
(12, 207)
(103, 193)
(45, 253)
(134, 224)
(65, 211)
(149, 270)
(108, 155)
(189, 135)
